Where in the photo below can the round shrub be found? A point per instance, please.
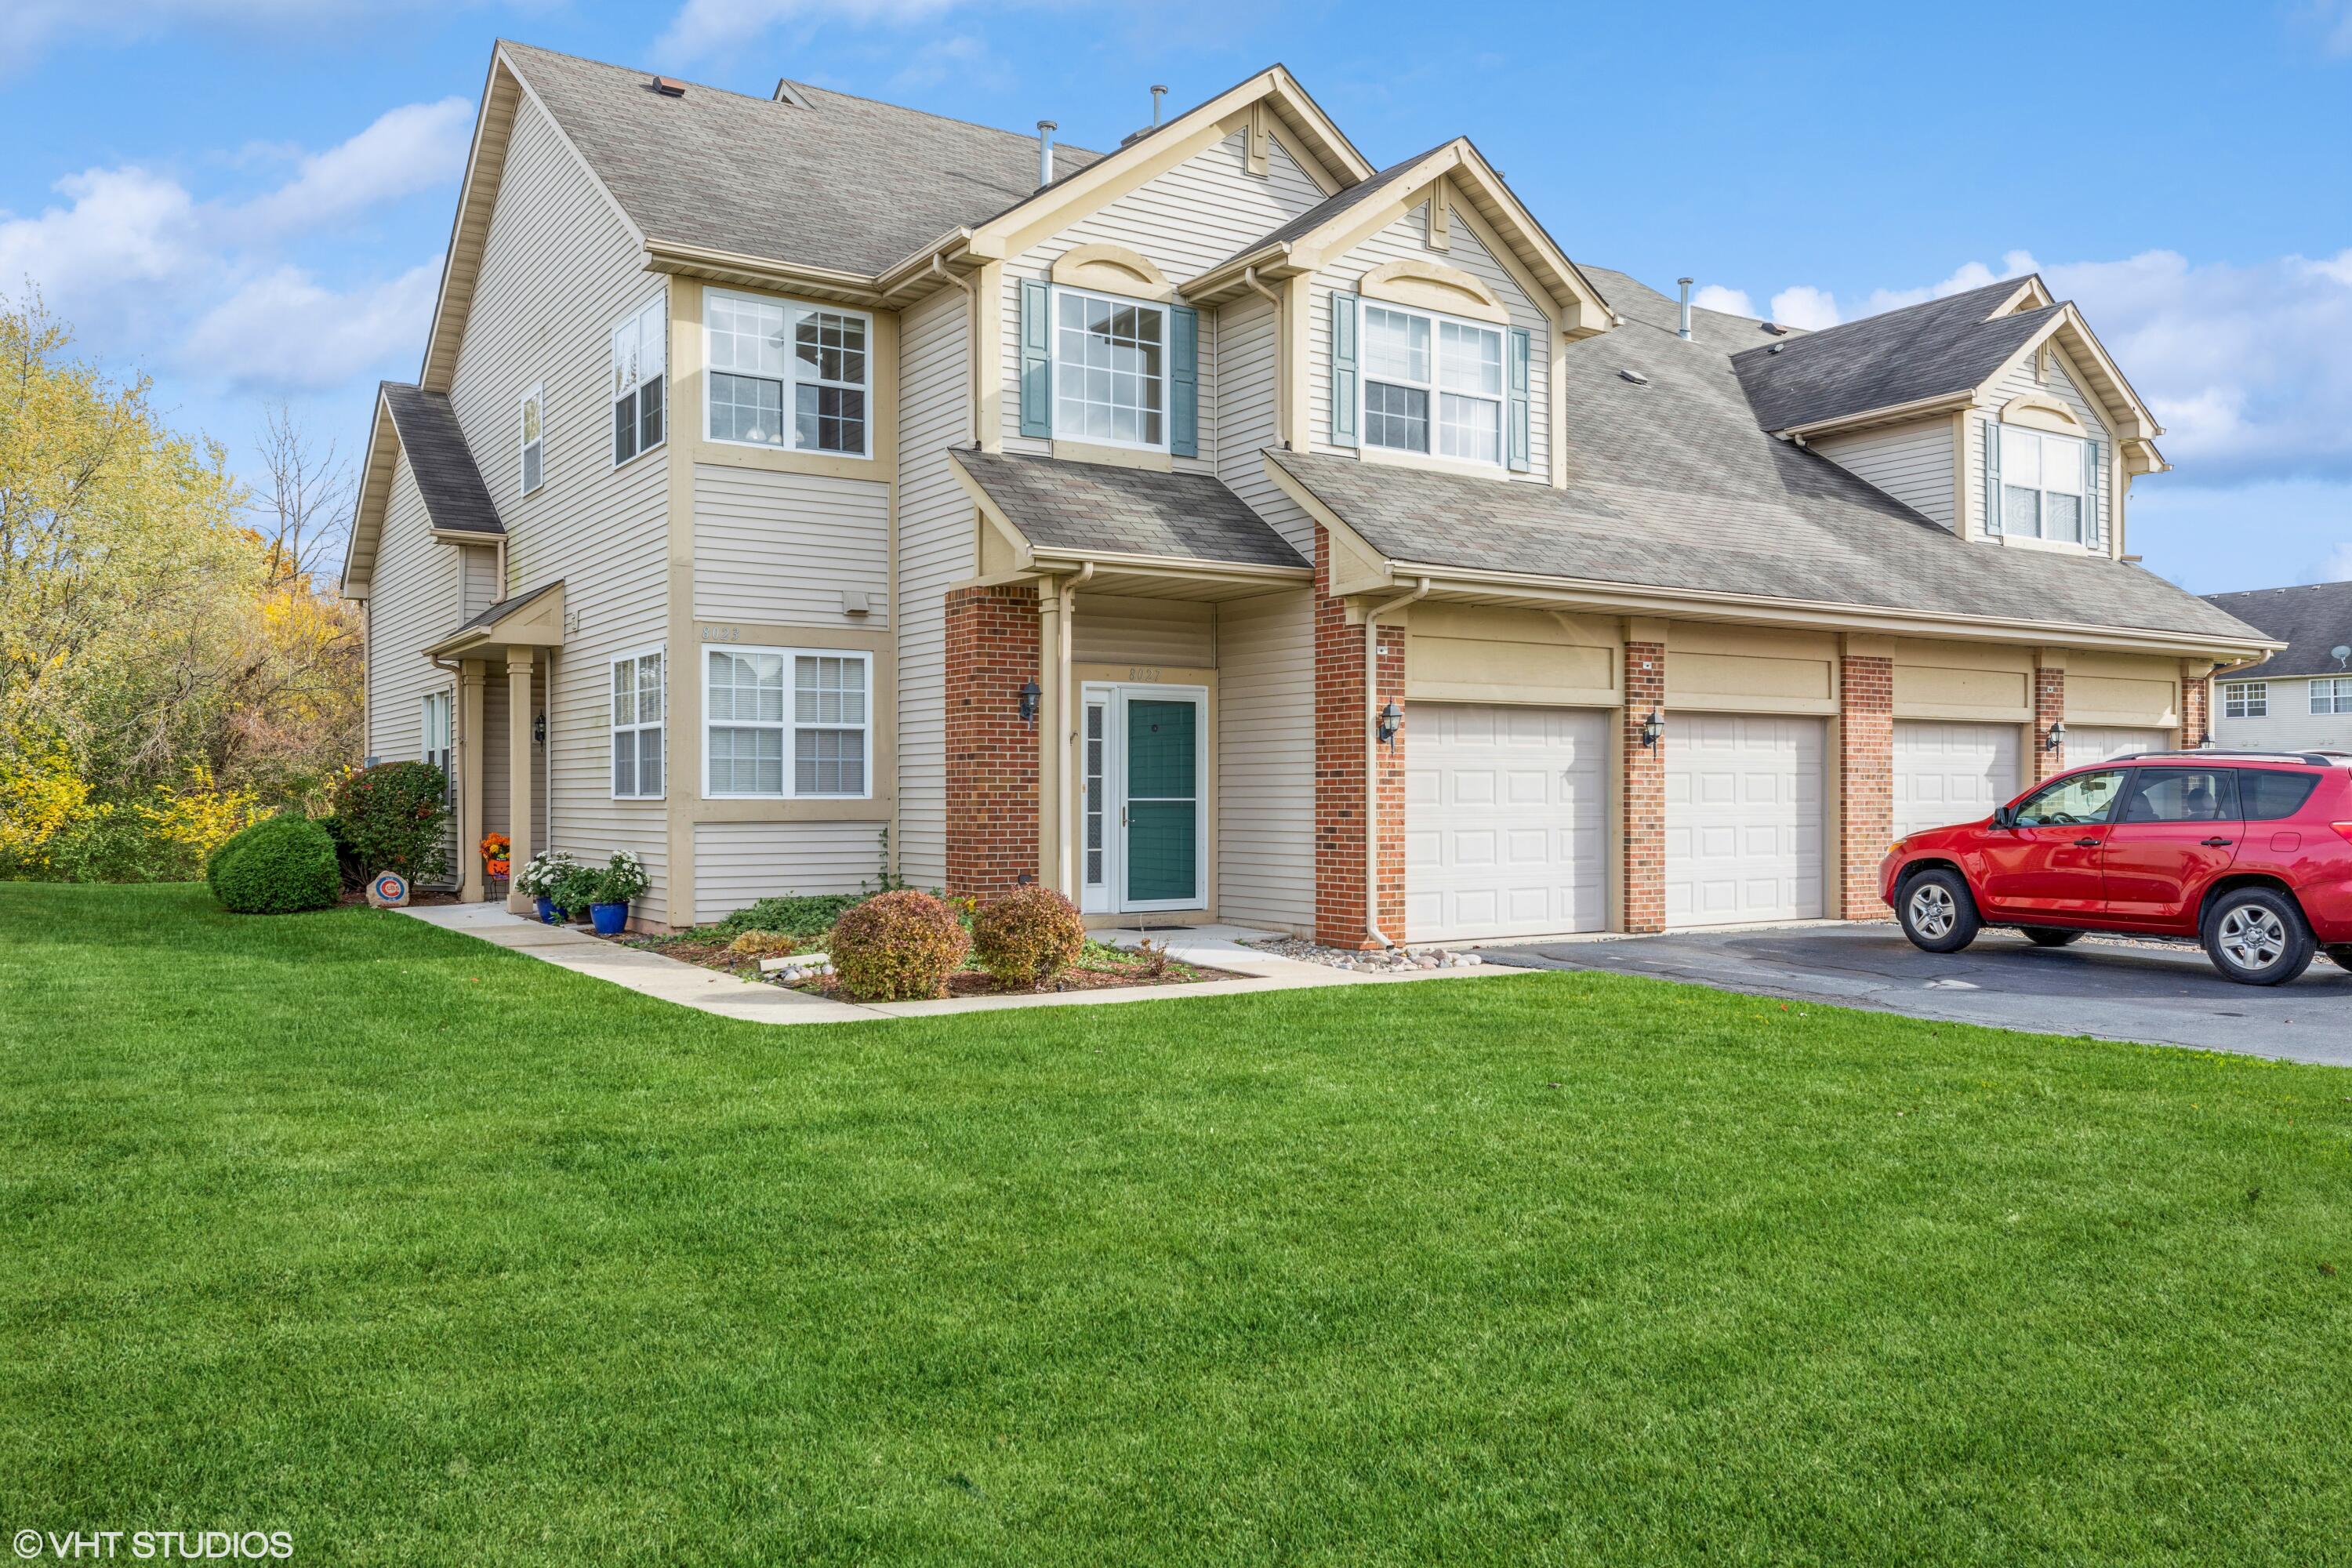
(1029, 937)
(898, 947)
(763, 944)
(276, 867)
(395, 817)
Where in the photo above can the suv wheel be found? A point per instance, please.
(2257, 937)
(2048, 936)
(1937, 912)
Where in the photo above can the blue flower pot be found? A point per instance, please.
(546, 911)
(611, 919)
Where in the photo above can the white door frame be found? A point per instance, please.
(1104, 896)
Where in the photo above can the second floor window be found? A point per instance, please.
(2332, 696)
(639, 358)
(2246, 700)
(1431, 385)
(1111, 370)
(534, 441)
(2042, 490)
(789, 376)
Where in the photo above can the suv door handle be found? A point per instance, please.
(2216, 843)
(2086, 844)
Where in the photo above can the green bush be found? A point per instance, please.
(792, 915)
(898, 947)
(395, 817)
(1029, 937)
(276, 867)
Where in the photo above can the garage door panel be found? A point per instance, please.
(2099, 742)
(1744, 824)
(1948, 774)
(1505, 821)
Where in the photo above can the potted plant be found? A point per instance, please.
(496, 866)
(574, 891)
(622, 879)
(540, 876)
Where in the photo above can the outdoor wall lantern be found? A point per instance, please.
(1030, 692)
(1392, 723)
(539, 728)
(2054, 738)
(1654, 729)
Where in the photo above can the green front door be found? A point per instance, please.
(1163, 805)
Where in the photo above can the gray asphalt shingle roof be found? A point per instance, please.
(455, 499)
(504, 608)
(1930, 350)
(1322, 212)
(1061, 505)
(1675, 485)
(845, 182)
(2310, 620)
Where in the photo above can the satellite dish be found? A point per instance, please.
(2340, 653)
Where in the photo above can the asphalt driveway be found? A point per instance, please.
(2112, 990)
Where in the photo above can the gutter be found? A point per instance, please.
(1372, 759)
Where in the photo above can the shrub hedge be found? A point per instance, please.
(898, 947)
(395, 817)
(1029, 937)
(276, 867)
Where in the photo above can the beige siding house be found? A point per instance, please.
(1221, 527)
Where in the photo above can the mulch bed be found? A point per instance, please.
(963, 983)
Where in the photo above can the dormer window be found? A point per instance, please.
(1415, 362)
(2045, 484)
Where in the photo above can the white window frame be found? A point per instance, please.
(533, 402)
(437, 719)
(1435, 387)
(2084, 494)
(2245, 699)
(789, 725)
(1167, 385)
(640, 339)
(637, 723)
(795, 375)
(2331, 694)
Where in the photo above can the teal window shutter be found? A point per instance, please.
(2092, 535)
(1516, 385)
(1344, 398)
(1184, 381)
(1992, 476)
(1036, 358)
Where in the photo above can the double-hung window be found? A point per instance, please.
(788, 724)
(637, 726)
(1431, 378)
(2043, 494)
(789, 376)
(1111, 370)
(535, 440)
(640, 346)
(2333, 695)
(2246, 700)
(437, 731)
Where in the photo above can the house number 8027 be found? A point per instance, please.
(1145, 672)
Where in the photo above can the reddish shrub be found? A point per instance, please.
(898, 947)
(1029, 937)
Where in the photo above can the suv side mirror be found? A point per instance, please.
(2004, 816)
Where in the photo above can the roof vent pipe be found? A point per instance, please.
(1683, 329)
(1159, 92)
(1045, 129)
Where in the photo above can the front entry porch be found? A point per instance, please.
(503, 659)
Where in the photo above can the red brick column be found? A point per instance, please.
(991, 754)
(2195, 709)
(2049, 708)
(1341, 731)
(1644, 789)
(1866, 781)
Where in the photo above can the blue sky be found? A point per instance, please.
(249, 199)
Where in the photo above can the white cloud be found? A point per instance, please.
(28, 28)
(1804, 306)
(704, 26)
(1730, 302)
(962, 57)
(407, 149)
(284, 331)
(2332, 20)
(1966, 276)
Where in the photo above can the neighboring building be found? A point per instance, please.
(811, 468)
(2300, 698)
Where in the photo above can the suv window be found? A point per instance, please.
(2182, 794)
(2271, 794)
(2071, 802)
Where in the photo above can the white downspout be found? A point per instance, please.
(1249, 276)
(972, 304)
(1070, 717)
(1372, 759)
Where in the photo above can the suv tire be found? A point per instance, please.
(2049, 936)
(2257, 937)
(1936, 911)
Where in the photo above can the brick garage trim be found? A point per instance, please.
(992, 752)
(2195, 709)
(1340, 736)
(1644, 789)
(1866, 781)
(2049, 708)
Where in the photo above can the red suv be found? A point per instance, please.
(2250, 853)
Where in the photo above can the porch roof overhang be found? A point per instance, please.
(532, 620)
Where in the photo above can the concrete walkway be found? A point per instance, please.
(691, 986)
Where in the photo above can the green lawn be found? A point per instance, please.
(425, 1253)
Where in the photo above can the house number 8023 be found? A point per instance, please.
(723, 634)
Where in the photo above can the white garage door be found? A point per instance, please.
(1950, 773)
(1505, 814)
(2097, 742)
(1743, 819)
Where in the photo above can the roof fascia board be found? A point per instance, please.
(1343, 534)
(375, 494)
(1296, 108)
(1190, 568)
(1099, 183)
(2029, 295)
(759, 272)
(1025, 558)
(2132, 419)
(1892, 412)
(1576, 290)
